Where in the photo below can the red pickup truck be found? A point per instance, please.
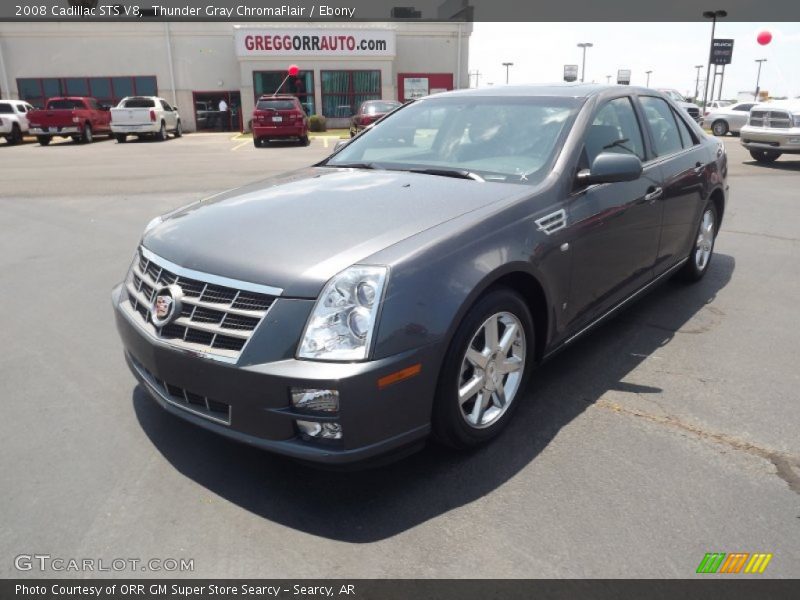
(72, 116)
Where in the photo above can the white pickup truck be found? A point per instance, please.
(145, 116)
(14, 120)
(772, 129)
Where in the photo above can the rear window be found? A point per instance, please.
(64, 104)
(275, 105)
(380, 107)
(5, 107)
(139, 103)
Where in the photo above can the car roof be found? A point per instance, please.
(569, 90)
(277, 97)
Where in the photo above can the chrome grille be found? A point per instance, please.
(773, 119)
(693, 112)
(215, 319)
(183, 398)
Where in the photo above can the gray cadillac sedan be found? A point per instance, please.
(407, 286)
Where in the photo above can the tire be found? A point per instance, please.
(765, 156)
(161, 136)
(86, 134)
(305, 140)
(178, 130)
(257, 142)
(121, 138)
(43, 140)
(16, 135)
(703, 248)
(720, 128)
(479, 415)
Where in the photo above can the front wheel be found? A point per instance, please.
(178, 130)
(485, 370)
(43, 139)
(305, 140)
(16, 135)
(121, 138)
(765, 156)
(86, 135)
(719, 128)
(700, 258)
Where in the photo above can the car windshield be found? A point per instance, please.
(372, 108)
(275, 105)
(508, 139)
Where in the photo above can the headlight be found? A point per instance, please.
(154, 223)
(343, 320)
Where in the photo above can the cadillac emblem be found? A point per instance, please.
(166, 306)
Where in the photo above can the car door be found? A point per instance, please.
(683, 162)
(170, 116)
(738, 115)
(22, 115)
(614, 227)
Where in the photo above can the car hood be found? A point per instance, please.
(298, 230)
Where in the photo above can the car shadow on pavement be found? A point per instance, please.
(367, 506)
(783, 164)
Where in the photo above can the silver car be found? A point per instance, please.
(729, 119)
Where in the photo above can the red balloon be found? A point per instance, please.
(294, 70)
(764, 38)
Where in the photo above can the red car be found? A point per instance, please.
(369, 112)
(279, 117)
(74, 116)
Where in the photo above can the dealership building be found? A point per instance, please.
(195, 65)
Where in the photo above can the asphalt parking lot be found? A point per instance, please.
(669, 432)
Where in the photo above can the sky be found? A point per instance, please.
(539, 52)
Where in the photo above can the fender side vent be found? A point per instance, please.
(552, 222)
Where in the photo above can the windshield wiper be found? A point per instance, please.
(456, 173)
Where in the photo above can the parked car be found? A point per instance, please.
(729, 119)
(78, 117)
(773, 129)
(14, 120)
(279, 117)
(369, 112)
(399, 290)
(715, 104)
(145, 116)
(678, 98)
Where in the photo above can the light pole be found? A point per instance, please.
(697, 82)
(608, 79)
(760, 61)
(584, 45)
(648, 79)
(713, 15)
(507, 65)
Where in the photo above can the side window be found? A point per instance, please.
(166, 106)
(21, 108)
(662, 125)
(687, 137)
(615, 129)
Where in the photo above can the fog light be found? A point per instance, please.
(321, 431)
(311, 400)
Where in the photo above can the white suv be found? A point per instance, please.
(772, 129)
(14, 120)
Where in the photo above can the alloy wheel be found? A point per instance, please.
(705, 241)
(491, 370)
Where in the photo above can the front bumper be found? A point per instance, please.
(145, 128)
(375, 421)
(786, 141)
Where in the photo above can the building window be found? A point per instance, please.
(107, 90)
(344, 91)
(302, 86)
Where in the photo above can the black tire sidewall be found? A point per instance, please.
(720, 122)
(86, 134)
(449, 426)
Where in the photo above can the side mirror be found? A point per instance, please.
(610, 167)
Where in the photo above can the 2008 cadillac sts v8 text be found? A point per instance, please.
(407, 285)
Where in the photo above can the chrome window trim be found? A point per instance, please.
(210, 278)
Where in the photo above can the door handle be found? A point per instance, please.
(654, 194)
(699, 168)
